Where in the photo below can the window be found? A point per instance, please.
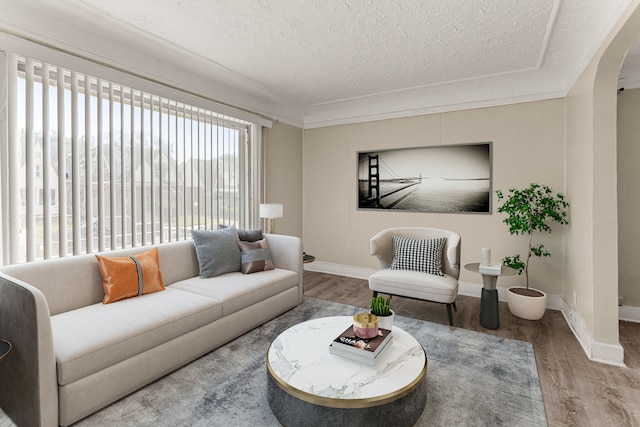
(94, 165)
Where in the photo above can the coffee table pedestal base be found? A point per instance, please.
(292, 412)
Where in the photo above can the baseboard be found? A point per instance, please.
(628, 313)
(611, 354)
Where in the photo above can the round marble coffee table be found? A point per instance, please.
(309, 386)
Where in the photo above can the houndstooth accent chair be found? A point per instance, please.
(399, 276)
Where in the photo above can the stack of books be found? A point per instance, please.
(362, 350)
(494, 268)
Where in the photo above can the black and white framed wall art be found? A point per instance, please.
(442, 179)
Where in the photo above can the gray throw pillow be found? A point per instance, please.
(245, 235)
(217, 251)
(250, 235)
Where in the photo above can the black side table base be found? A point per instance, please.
(489, 314)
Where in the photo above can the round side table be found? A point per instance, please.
(489, 310)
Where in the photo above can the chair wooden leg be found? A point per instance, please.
(450, 315)
(454, 307)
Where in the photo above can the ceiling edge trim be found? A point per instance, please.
(555, 11)
(629, 84)
(409, 90)
(356, 117)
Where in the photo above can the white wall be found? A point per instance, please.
(528, 146)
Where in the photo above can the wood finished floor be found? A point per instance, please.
(576, 391)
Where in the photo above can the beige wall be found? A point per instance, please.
(629, 196)
(579, 165)
(592, 244)
(528, 145)
(283, 175)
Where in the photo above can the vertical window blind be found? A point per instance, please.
(93, 165)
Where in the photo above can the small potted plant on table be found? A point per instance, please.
(381, 307)
(528, 211)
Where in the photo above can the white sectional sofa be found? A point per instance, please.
(73, 355)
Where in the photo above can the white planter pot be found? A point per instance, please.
(386, 322)
(525, 307)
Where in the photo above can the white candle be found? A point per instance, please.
(486, 257)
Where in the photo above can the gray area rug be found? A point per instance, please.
(474, 379)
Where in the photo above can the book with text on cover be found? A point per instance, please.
(349, 345)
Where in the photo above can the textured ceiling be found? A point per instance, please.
(333, 61)
(319, 51)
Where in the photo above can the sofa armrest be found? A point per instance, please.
(286, 253)
(28, 373)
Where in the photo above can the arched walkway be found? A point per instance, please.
(592, 252)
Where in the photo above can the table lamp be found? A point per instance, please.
(271, 211)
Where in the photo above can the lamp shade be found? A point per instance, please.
(271, 210)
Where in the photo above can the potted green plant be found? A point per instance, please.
(530, 210)
(381, 307)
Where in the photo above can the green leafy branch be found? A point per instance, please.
(529, 210)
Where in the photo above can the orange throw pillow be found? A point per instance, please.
(126, 277)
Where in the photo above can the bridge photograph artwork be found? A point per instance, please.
(442, 179)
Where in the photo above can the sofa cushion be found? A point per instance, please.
(178, 261)
(411, 284)
(217, 251)
(237, 291)
(255, 256)
(423, 255)
(130, 276)
(95, 337)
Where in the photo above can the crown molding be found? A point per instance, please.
(405, 107)
(112, 45)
